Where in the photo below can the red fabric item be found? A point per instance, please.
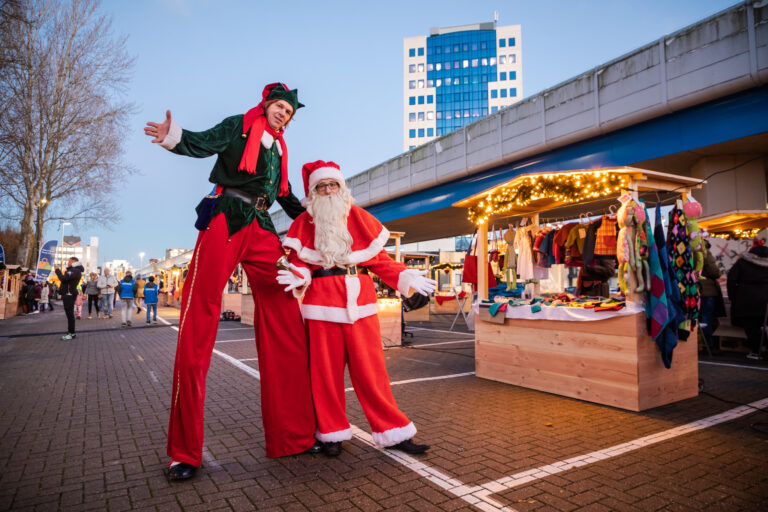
(462, 295)
(255, 120)
(443, 298)
(359, 344)
(310, 167)
(286, 401)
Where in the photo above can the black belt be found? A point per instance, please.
(258, 202)
(338, 271)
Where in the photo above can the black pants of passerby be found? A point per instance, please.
(93, 299)
(69, 310)
(30, 305)
(752, 328)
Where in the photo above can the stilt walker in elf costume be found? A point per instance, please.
(250, 173)
(332, 245)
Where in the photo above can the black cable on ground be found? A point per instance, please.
(754, 426)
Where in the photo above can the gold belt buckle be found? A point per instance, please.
(351, 270)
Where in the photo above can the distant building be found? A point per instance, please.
(118, 267)
(457, 75)
(72, 246)
(171, 253)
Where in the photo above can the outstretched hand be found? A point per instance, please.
(159, 130)
(423, 285)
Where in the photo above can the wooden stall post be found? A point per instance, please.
(482, 261)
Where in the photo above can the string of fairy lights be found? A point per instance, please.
(563, 188)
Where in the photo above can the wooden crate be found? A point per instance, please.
(417, 315)
(233, 302)
(246, 308)
(611, 362)
(390, 322)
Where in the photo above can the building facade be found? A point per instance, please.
(72, 246)
(457, 75)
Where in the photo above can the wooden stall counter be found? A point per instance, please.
(610, 362)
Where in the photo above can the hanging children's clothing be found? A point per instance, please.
(524, 246)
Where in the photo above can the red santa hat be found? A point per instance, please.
(313, 172)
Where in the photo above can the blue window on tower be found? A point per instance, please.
(503, 75)
(494, 93)
(411, 147)
(503, 93)
(429, 99)
(494, 110)
(412, 52)
(421, 51)
(430, 132)
(502, 43)
(421, 100)
(513, 92)
(421, 132)
(513, 75)
(411, 100)
(511, 41)
(412, 134)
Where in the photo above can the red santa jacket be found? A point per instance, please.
(345, 298)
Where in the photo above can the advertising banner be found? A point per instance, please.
(45, 260)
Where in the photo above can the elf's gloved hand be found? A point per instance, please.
(421, 284)
(291, 280)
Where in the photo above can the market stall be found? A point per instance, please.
(10, 286)
(551, 339)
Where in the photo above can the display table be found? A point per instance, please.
(390, 322)
(610, 362)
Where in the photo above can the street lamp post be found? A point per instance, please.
(141, 260)
(39, 205)
(62, 241)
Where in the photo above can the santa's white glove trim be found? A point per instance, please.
(173, 137)
(293, 282)
(412, 279)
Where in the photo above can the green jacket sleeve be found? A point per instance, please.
(291, 205)
(211, 141)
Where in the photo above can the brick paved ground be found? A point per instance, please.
(83, 427)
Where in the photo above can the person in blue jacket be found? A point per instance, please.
(126, 289)
(150, 298)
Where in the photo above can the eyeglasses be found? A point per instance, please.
(327, 186)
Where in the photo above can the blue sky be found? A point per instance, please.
(205, 60)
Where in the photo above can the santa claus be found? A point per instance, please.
(332, 246)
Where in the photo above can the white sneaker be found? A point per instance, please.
(753, 355)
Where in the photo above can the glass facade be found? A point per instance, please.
(461, 64)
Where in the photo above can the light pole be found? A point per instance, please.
(141, 260)
(38, 205)
(62, 241)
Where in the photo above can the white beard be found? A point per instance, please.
(332, 238)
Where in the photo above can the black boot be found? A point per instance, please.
(181, 471)
(332, 449)
(408, 446)
(315, 448)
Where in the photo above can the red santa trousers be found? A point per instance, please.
(332, 345)
(286, 401)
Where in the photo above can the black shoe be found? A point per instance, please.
(181, 471)
(410, 447)
(315, 448)
(332, 449)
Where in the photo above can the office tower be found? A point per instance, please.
(457, 75)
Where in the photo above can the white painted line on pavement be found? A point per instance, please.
(249, 359)
(229, 341)
(424, 379)
(762, 369)
(153, 376)
(440, 343)
(247, 369)
(237, 329)
(437, 330)
(422, 361)
(209, 460)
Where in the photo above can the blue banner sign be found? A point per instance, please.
(45, 260)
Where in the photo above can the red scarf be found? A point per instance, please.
(255, 120)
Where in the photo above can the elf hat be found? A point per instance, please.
(320, 170)
(280, 91)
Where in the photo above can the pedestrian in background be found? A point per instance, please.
(29, 292)
(748, 291)
(107, 284)
(92, 292)
(51, 294)
(127, 290)
(69, 279)
(140, 282)
(150, 298)
(79, 304)
(44, 292)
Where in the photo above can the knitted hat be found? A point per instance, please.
(320, 170)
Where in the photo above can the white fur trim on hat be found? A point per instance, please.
(394, 436)
(173, 137)
(322, 173)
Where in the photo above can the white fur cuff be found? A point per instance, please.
(394, 436)
(173, 137)
(334, 437)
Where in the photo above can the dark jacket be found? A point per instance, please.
(748, 286)
(70, 278)
(593, 280)
(708, 286)
(29, 290)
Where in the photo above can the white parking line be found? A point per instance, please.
(762, 369)
(440, 343)
(249, 359)
(421, 361)
(237, 329)
(424, 379)
(479, 496)
(229, 341)
(436, 330)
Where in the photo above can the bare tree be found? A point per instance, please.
(61, 143)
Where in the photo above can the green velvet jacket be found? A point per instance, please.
(226, 141)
